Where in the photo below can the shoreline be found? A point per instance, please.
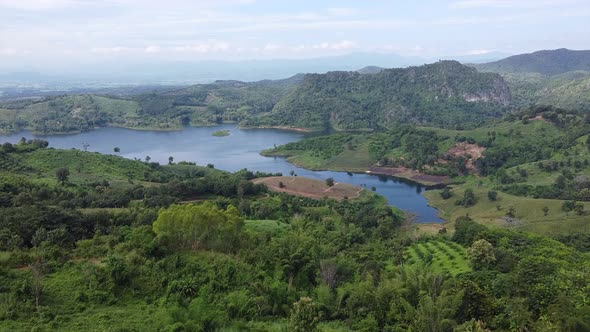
(428, 181)
(287, 128)
(111, 125)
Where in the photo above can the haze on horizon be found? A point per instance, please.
(65, 32)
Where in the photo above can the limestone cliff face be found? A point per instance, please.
(499, 92)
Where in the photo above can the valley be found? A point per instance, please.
(440, 197)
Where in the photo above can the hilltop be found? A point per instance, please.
(546, 62)
(445, 93)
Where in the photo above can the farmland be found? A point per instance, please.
(443, 256)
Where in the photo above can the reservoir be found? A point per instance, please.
(241, 149)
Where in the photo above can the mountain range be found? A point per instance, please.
(445, 94)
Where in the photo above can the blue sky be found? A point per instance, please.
(65, 32)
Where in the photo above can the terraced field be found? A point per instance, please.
(443, 256)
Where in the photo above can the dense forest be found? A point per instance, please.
(445, 94)
(95, 242)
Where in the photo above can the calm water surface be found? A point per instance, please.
(239, 150)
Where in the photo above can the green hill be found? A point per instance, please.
(203, 104)
(546, 62)
(445, 94)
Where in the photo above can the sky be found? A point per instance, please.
(37, 33)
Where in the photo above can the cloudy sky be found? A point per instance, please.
(62, 32)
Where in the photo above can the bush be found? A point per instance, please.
(492, 195)
(446, 193)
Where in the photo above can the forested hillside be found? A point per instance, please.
(546, 62)
(96, 242)
(445, 94)
(557, 77)
(206, 104)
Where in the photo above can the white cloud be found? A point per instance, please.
(512, 4)
(338, 46)
(37, 4)
(479, 51)
(152, 49)
(110, 50)
(272, 47)
(342, 11)
(8, 51)
(204, 47)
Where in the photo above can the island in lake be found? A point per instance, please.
(221, 133)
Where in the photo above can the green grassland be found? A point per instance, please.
(443, 256)
(507, 132)
(341, 152)
(528, 212)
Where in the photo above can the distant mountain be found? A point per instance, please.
(370, 70)
(476, 58)
(548, 62)
(445, 93)
(196, 72)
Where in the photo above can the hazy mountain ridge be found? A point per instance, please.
(445, 93)
(546, 62)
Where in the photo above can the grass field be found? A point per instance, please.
(354, 157)
(520, 132)
(305, 187)
(528, 212)
(442, 256)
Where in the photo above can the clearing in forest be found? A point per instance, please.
(442, 256)
(306, 187)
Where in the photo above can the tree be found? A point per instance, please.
(85, 146)
(62, 175)
(446, 193)
(511, 212)
(481, 254)
(281, 184)
(545, 211)
(568, 206)
(117, 150)
(305, 316)
(147, 159)
(170, 160)
(203, 226)
(37, 284)
(468, 198)
(492, 195)
(330, 182)
(579, 208)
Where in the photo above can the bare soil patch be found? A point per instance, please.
(301, 186)
(469, 151)
(410, 174)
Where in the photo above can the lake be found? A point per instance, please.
(241, 149)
